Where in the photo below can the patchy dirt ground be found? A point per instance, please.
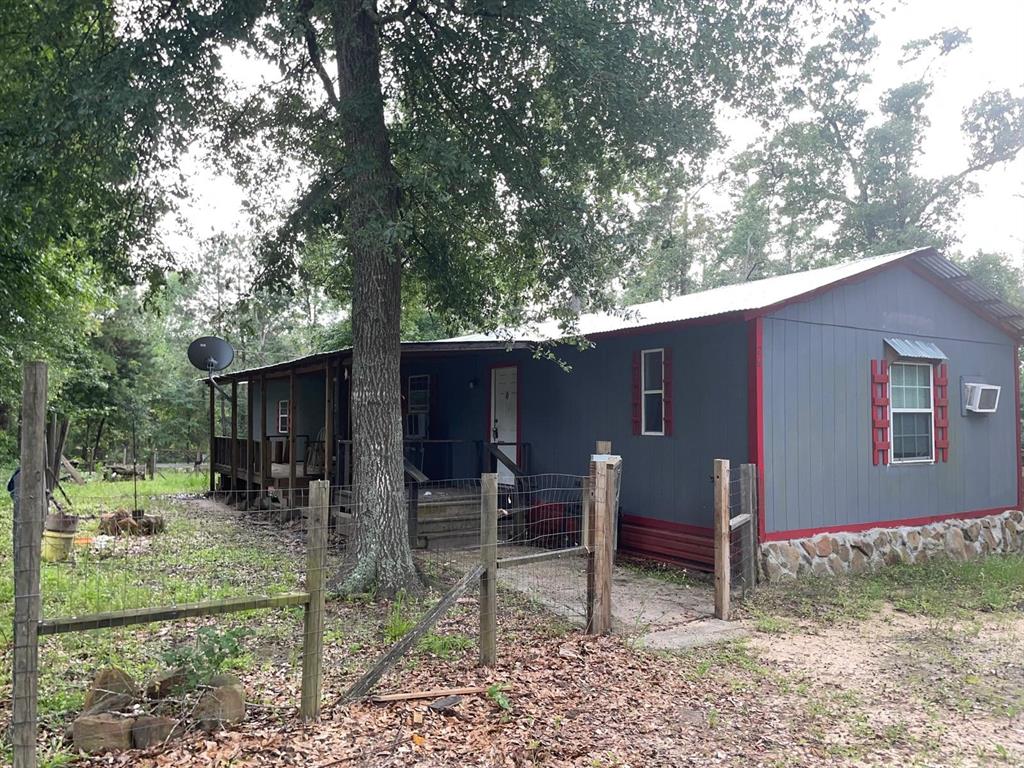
(892, 691)
(949, 691)
(858, 683)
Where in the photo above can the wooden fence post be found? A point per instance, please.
(604, 497)
(489, 561)
(29, 512)
(313, 628)
(748, 501)
(587, 540)
(722, 532)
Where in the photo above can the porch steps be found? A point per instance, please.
(453, 521)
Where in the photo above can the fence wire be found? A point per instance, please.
(132, 550)
(115, 553)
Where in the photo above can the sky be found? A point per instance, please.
(992, 221)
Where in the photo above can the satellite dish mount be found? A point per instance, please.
(211, 354)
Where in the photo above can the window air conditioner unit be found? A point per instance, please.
(982, 398)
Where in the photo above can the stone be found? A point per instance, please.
(836, 565)
(819, 567)
(93, 734)
(220, 706)
(109, 682)
(823, 545)
(863, 545)
(109, 703)
(913, 539)
(225, 678)
(843, 551)
(1016, 515)
(152, 730)
(775, 570)
(972, 531)
(988, 539)
(955, 544)
(809, 548)
(166, 683)
(858, 562)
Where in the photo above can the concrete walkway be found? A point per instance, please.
(655, 612)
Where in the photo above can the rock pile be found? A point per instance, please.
(834, 554)
(120, 715)
(123, 522)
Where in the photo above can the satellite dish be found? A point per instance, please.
(210, 353)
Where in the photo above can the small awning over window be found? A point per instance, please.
(923, 350)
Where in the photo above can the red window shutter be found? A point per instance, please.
(666, 384)
(879, 412)
(637, 408)
(940, 396)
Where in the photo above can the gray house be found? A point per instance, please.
(875, 393)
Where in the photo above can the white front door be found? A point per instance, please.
(505, 416)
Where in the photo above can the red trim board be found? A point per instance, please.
(803, 533)
(1016, 399)
(675, 543)
(755, 408)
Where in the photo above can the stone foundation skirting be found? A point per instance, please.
(834, 554)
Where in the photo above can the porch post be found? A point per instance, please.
(213, 439)
(249, 443)
(264, 458)
(328, 423)
(291, 438)
(234, 440)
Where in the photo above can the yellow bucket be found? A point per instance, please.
(57, 546)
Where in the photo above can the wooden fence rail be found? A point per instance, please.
(29, 511)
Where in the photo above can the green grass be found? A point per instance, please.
(668, 573)
(938, 589)
(200, 556)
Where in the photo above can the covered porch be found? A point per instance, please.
(276, 428)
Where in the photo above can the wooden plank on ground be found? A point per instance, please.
(364, 684)
(76, 476)
(539, 557)
(431, 694)
(168, 612)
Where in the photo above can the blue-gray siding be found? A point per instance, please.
(563, 413)
(817, 353)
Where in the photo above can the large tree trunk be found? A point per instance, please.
(384, 560)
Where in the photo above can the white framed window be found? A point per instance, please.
(282, 417)
(652, 391)
(912, 413)
(418, 415)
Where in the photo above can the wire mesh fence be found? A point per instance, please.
(113, 564)
(170, 587)
(537, 515)
(743, 548)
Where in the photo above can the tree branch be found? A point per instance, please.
(309, 32)
(402, 15)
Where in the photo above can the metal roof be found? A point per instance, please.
(760, 295)
(923, 350)
(752, 297)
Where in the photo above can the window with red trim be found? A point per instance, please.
(653, 384)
